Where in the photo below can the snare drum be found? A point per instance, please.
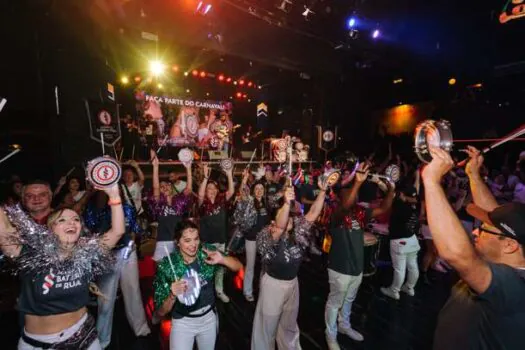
(370, 254)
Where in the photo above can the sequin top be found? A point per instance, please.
(179, 204)
(282, 258)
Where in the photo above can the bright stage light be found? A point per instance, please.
(398, 81)
(376, 34)
(137, 79)
(250, 84)
(194, 72)
(229, 80)
(188, 91)
(124, 80)
(175, 68)
(351, 23)
(235, 83)
(186, 74)
(220, 77)
(203, 74)
(160, 86)
(156, 68)
(241, 82)
(239, 95)
(207, 9)
(452, 81)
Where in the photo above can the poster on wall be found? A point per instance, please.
(181, 122)
(103, 120)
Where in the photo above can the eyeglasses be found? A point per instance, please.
(482, 229)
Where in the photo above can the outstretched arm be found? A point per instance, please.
(481, 194)
(202, 188)
(118, 227)
(317, 207)
(8, 237)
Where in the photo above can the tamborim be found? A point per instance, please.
(226, 164)
(185, 155)
(331, 177)
(103, 172)
(193, 288)
(393, 172)
(432, 133)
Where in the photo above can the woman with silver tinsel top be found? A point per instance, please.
(282, 247)
(168, 207)
(55, 269)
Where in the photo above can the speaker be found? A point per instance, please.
(214, 155)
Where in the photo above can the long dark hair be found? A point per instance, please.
(262, 203)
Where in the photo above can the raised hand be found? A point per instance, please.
(441, 164)
(289, 195)
(154, 158)
(206, 170)
(475, 162)
(362, 172)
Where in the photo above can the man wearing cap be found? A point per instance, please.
(486, 309)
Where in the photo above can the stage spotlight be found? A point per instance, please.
(124, 80)
(239, 95)
(137, 79)
(207, 9)
(220, 77)
(241, 82)
(398, 81)
(207, 94)
(156, 68)
(194, 72)
(229, 80)
(250, 84)
(160, 86)
(186, 74)
(376, 34)
(188, 91)
(175, 68)
(351, 22)
(452, 81)
(260, 87)
(307, 12)
(203, 74)
(235, 83)
(199, 5)
(244, 96)
(283, 6)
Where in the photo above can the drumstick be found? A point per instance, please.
(70, 171)
(511, 136)
(10, 155)
(171, 263)
(251, 159)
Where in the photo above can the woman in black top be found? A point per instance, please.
(213, 225)
(403, 228)
(193, 317)
(282, 247)
(56, 268)
(251, 215)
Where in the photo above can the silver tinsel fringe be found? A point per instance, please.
(245, 214)
(41, 250)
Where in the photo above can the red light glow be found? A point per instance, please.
(194, 72)
(239, 95)
(250, 84)
(175, 68)
(229, 80)
(137, 79)
(241, 82)
(221, 77)
(203, 74)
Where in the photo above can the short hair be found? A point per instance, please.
(37, 182)
(182, 226)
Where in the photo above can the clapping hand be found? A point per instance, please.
(214, 257)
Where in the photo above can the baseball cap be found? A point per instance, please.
(509, 218)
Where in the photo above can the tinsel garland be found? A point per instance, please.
(267, 246)
(41, 250)
(165, 276)
(209, 209)
(245, 214)
(273, 200)
(100, 220)
(178, 205)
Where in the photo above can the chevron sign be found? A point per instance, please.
(262, 110)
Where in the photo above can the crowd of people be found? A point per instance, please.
(75, 240)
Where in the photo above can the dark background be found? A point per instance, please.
(310, 71)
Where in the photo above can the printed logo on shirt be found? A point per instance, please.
(54, 281)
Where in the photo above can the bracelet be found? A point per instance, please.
(116, 201)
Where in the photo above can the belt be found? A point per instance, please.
(80, 340)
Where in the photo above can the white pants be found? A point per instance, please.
(404, 258)
(160, 251)
(126, 273)
(276, 315)
(57, 337)
(251, 252)
(185, 330)
(343, 290)
(219, 275)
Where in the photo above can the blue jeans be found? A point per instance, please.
(127, 273)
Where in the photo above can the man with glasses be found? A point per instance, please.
(486, 309)
(36, 198)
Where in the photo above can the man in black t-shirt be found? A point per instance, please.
(486, 309)
(346, 258)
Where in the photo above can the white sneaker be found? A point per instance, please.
(332, 343)
(223, 297)
(390, 293)
(351, 333)
(409, 291)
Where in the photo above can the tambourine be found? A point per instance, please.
(193, 288)
(192, 125)
(103, 172)
(226, 164)
(432, 133)
(185, 156)
(393, 172)
(331, 177)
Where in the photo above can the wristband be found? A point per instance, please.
(115, 201)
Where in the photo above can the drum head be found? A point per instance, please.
(103, 172)
(185, 155)
(193, 288)
(331, 177)
(192, 125)
(432, 133)
(226, 164)
(393, 173)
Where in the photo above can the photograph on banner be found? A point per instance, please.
(185, 122)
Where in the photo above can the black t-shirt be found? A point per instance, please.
(263, 219)
(213, 227)
(347, 250)
(206, 296)
(489, 321)
(166, 228)
(368, 192)
(404, 219)
(52, 293)
(288, 258)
